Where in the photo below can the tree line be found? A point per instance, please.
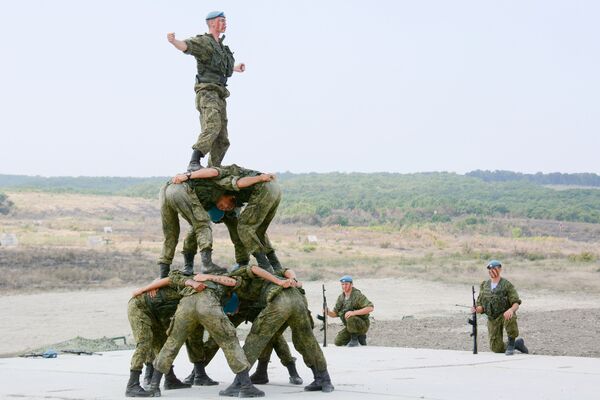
(554, 178)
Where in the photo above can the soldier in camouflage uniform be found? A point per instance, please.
(285, 306)
(226, 188)
(200, 308)
(149, 317)
(181, 200)
(245, 312)
(353, 308)
(215, 64)
(499, 300)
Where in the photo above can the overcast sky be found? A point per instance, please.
(94, 88)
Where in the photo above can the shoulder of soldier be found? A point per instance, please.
(506, 282)
(483, 283)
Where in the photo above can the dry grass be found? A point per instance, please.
(536, 254)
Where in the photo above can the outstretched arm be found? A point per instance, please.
(286, 283)
(220, 279)
(156, 284)
(179, 44)
(248, 181)
(202, 173)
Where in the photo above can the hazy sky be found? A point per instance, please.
(94, 88)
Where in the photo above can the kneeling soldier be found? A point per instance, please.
(499, 300)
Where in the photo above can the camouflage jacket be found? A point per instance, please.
(356, 301)
(163, 305)
(208, 190)
(220, 291)
(214, 60)
(254, 291)
(496, 302)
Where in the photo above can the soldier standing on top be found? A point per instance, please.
(215, 64)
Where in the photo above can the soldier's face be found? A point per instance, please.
(219, 24)
(226, 203)
(494, 272)
(346, 287)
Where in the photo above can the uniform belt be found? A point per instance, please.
(222, 80)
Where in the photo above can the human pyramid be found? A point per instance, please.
(178, 307)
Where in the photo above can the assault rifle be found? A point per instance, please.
(324, 318)
(80, 352)
(473, 321)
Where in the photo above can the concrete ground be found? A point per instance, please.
(358, 373)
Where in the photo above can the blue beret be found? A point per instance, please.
(215, 214)
(494, 264)
(346, 278)
(215, 14)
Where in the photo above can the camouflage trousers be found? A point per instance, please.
(287, 308)
(277, 343)
(257, 216)
(495, 331)
(197, 312)
(213, 136)
(150, 335)
(352, 326)
(176, 200)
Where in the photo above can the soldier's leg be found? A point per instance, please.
(209, 104)
(141, 327)
(271, 202)
(222, 331)
(221, 142)
(190, 247)
(242, 256)
(342, 338)
(170, 227)
(495, 334)
(266, 324)
(357, 326)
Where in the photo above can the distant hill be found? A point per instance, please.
(555, 178)
(359, 199)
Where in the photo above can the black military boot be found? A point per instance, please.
(194, 164)
(322, 382)
(163, 270)
(208, 267)
(232, 390)
(247, 389)
(263, 262)
(260, 376)
(510, 347)
(294, 377)
(148, 374)
(520, 345)
(362, 339)
(198, 377)
(133, 386)
(154, 389)
(188, 266)
(274, 261)
(353, 340)
(172, 382)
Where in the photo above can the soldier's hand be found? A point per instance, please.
(152, 293)
(171, 37)
(267, 177)
(137, 292)
(349, 314)
(179, 178)
(241, 67)
(508, 314)
(285, 283)
(198, 286)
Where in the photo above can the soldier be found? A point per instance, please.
(199, 309)
(499, 300)
(353, 308)
(284, 306)
(181, 200)
(215, 64)
(149, 316)
(232, 186)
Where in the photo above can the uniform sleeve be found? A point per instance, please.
(338, 304)
(361, 301)
(199, 48)
(178, 280)
(513, 296)
(478, 302)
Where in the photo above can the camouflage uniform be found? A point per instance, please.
(495, 303)
(180, 199)
(356, 325)
(215, 64)
(283, 307)
(245, 314)
(150, 318)
(198, 311)
(261, 199)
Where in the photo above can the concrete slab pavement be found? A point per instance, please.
(358, 373)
